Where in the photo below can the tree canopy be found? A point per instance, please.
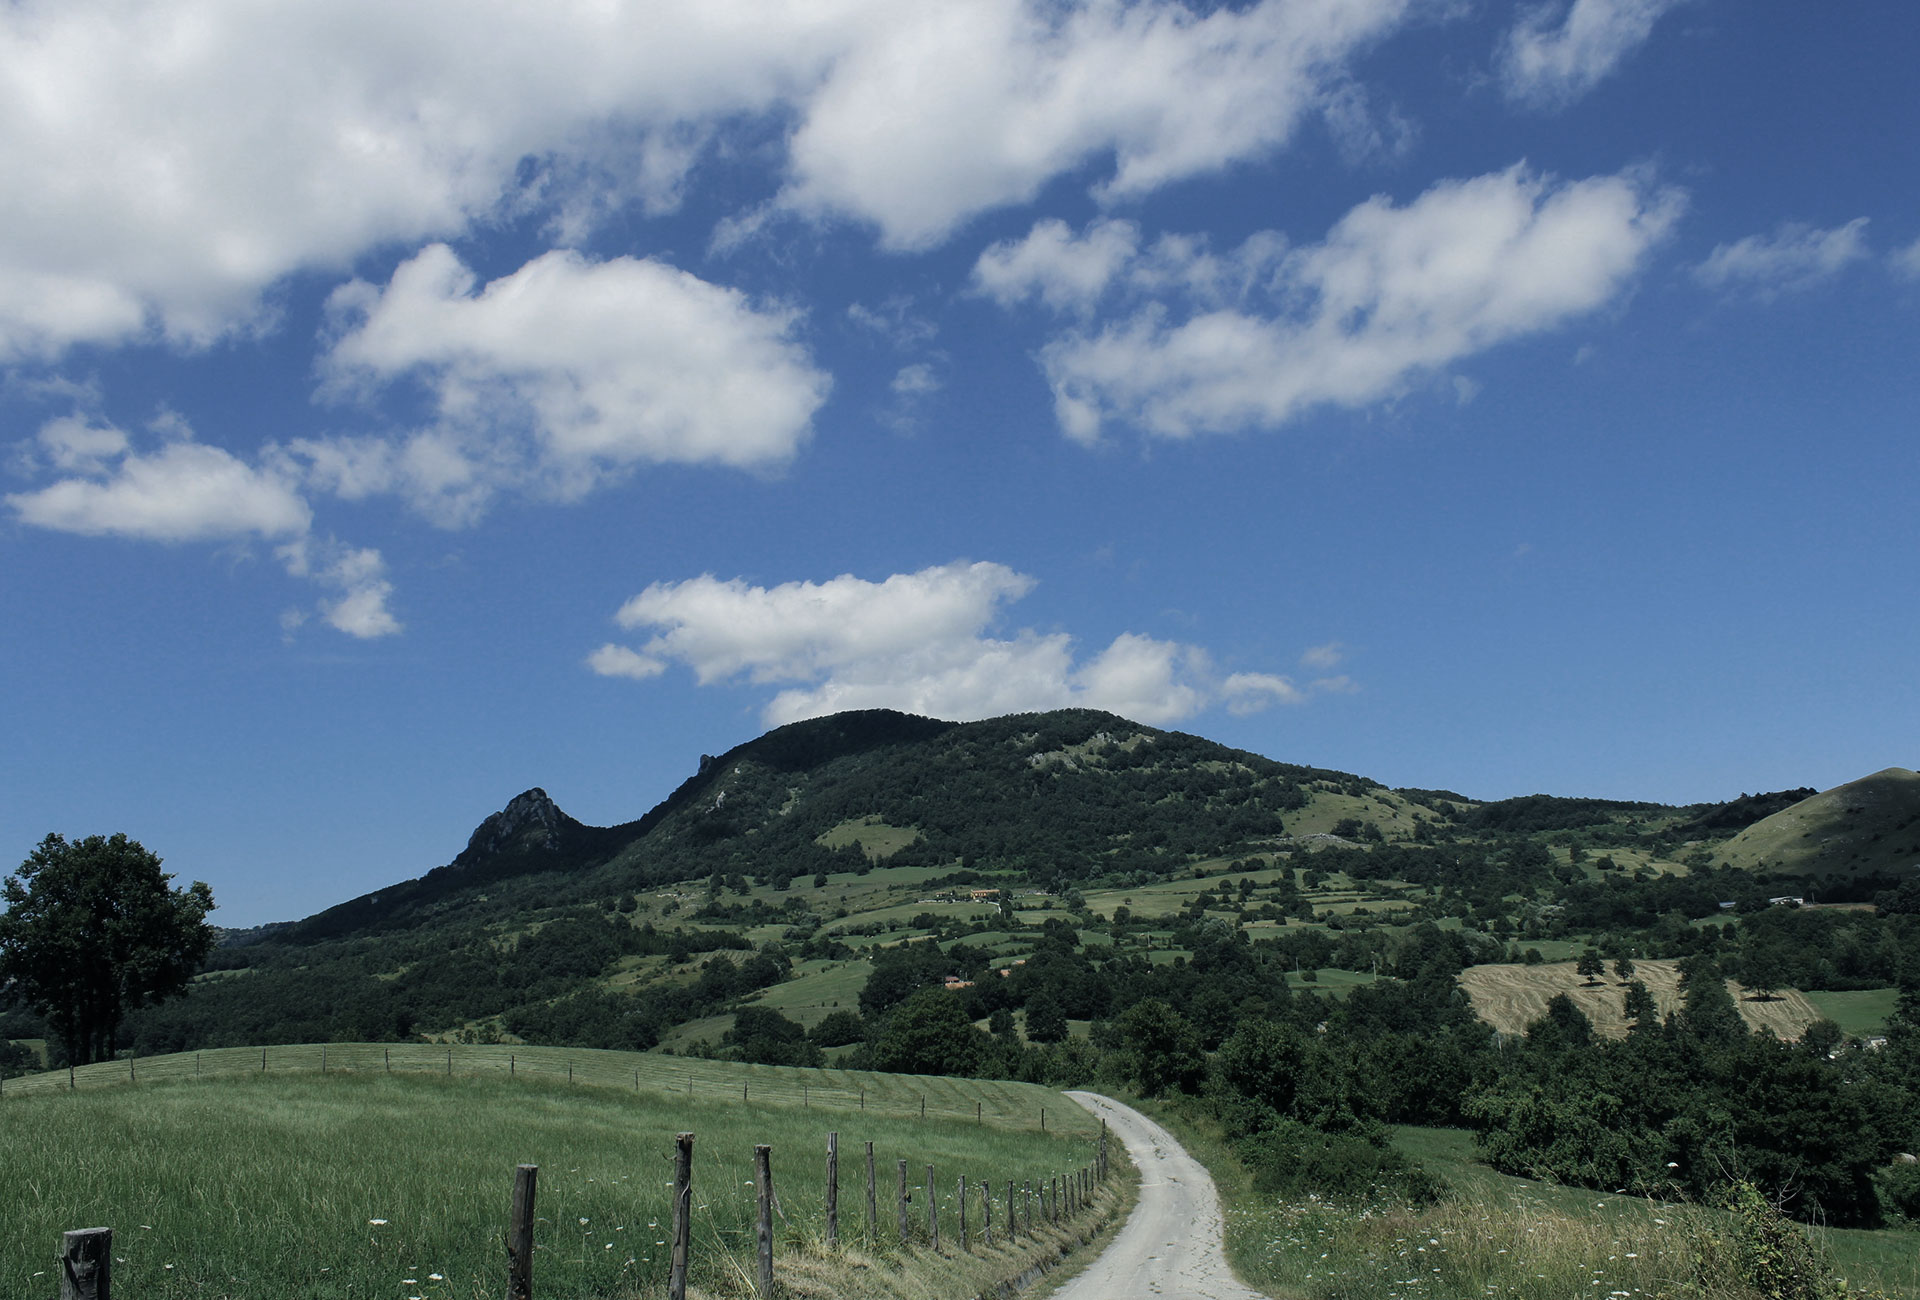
(92, 931)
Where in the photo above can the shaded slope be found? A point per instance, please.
(1869, 827)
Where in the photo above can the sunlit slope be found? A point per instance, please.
(1865, 827)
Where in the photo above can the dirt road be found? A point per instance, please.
(1169, 1248)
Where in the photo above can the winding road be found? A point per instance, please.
(1170, 1246)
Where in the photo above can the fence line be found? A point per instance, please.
(927, 1097)
(86, 1255)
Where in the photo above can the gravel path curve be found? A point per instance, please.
(1169, 1248)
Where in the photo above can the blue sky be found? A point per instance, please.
(401, 406)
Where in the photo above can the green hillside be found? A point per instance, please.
(1869, 827)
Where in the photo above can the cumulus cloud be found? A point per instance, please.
(1253, 337)
(1065, 271)
(187, 491)
(921, 642)
(181, 492)
(356, 576)
(943, 110)
(168, 164)
(559, 377)
(1557, 53)
(1793, 257)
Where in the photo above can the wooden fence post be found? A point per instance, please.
(682, 1216)
(960, 1196)
(873, 1205)
(86, 1264)
(833, 1190)
(387, 1054)
(904, 1198)
(763, 1179)
(520, 1234)
(1013, 1217)
(1043, 1119)
(986, 1213)
(933, 1210)
(1027, 1206)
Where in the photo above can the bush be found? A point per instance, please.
(1293, 1159)
(1899, 1189)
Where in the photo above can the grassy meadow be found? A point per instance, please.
(1498, 1236)
(359, 1182)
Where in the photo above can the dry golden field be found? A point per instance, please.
(1512, 997)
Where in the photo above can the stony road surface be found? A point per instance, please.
(1169, 1248)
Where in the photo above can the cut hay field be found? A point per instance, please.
(1512, 997)
(358, 1182)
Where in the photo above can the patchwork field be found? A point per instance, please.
(1512, 997)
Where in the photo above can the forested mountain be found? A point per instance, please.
(1068, 896)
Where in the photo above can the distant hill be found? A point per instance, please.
(1053, 796)
(1869, 827)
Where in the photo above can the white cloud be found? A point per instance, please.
(187, 491)
(1794, 256)
(1251, 692)
(619, 661)
(184, 491)
(917, 380)
(358, 576)
(1392, 293)
(559, 377)
(1323, 657)
(944, 110)
(1557, 53)
(1906, 261)
(168, 164)
(919, 642)
(1066, 271)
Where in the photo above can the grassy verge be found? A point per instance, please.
(1504, 1237)
(365, 1184)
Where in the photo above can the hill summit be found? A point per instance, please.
(1868, 827)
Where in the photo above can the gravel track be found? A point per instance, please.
(1170, 1246)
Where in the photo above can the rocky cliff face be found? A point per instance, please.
(530, 821)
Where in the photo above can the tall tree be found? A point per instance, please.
(92, 931)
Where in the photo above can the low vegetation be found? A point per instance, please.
(361, 1182)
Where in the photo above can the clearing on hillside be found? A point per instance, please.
(1512, 997)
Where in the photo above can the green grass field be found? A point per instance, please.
(291, 1183)
(1857, 1012)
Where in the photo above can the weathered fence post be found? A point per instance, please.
(933, 1210)
(833, 1190)
(986, 1214)
(520, 1234)
(1103, 1150)
(450, 1064)
(1043, 1119)
(1013, 1216)
(763, 1178)
(873, 1204)
(904, 1198)
(923, 1108)
(86, 1264)
(960, 1196)
(387, 1054)
(682, 1216)
(1027, 1206)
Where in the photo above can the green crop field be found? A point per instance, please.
(1858, 1012)
(359, 1182)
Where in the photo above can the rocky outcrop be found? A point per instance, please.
(530, 822)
